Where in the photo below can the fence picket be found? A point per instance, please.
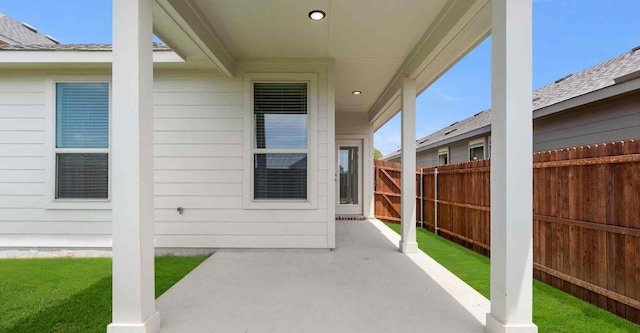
(586, 222)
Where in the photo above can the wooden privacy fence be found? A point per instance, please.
(586, 217)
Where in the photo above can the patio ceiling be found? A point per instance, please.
(374, 43)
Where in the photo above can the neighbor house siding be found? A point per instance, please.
(24, 221)
(427, 157)
(198, 165)
(609, 120)
(458, 152)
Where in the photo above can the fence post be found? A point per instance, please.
(421, 198)
(435, 201)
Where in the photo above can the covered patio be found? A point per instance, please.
(364, 285)
(362, 65)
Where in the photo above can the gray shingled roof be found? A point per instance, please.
(13, 32)
(589, 80)
(72, 47)
(476, 121)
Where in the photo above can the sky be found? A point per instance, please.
(568, 36)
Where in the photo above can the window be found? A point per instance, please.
(280, 140)
(81, 147)
(443, 156)
(476, 150)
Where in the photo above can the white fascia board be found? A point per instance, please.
(459, 28)
(26, 56)
(594, 96)
(188, 18)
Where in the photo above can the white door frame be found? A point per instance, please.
(350, 209)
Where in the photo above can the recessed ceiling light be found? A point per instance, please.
(356, 92)
(316, 15)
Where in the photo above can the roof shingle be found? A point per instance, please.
(589, 80)
(14, 32)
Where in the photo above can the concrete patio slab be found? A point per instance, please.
(364, 285)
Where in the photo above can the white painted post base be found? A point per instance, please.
(494, 325)
(408, 247)
(152, 325)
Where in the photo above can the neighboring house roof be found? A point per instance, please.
(600, 76)
(476, 121)
(72, 47)
(16, 33)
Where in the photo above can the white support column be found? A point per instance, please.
(331, 157)
(371, 213)
(408, 242)
(511, 169)
(134, 308)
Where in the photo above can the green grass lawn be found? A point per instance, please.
(554, 311)
(69, 295)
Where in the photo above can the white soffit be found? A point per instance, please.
(369, 75)
(368, 39)
(268, 28)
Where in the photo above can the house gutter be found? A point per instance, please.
(76, 56)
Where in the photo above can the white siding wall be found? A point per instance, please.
(198, 133)
(24, 221)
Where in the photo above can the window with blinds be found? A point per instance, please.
(82, 140)
(280, 144)
(476, 150)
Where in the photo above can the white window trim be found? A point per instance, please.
(51, 150)
(312, 142)
(475, 144)
(443, 151)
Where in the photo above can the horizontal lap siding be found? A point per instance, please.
(427, 158)
(198, 135)
(459, 152)
(24, 221)
(198, 160)
(610, 120)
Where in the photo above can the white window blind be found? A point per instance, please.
(82, 175)
(82, 140)
(280, 140)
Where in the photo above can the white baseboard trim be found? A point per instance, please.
(494, 325)
(152, 325)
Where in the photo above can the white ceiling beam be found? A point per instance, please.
(459, 28)
(188, 18)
